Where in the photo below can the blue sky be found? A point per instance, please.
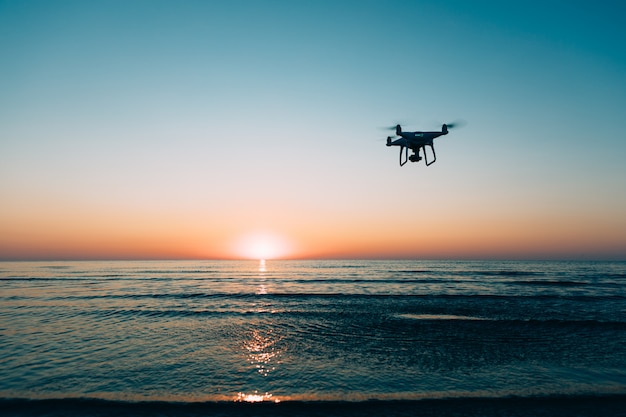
(203, 119)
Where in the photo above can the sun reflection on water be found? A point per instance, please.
(263, 354)
(262, 271)
(262, 346)
(262, 351)
(255, 398)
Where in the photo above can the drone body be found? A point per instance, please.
(416, 141)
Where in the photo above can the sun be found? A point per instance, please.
(262, 245)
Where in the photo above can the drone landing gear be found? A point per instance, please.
(406, 155)
(432, 148)
(416, 156)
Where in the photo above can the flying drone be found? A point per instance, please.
(417, 141)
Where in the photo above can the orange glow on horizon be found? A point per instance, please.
(89, 232)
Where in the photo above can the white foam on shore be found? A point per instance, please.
(438, 317)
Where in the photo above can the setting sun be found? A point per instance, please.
(262, 245)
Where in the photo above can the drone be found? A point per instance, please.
(417, 141)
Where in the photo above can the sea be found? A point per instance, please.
(340, 337)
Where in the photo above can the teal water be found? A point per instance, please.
(311, 330)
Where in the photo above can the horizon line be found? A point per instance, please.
(321, 258)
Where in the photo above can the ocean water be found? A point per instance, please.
(326, 335)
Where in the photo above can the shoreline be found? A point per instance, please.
(586, 405)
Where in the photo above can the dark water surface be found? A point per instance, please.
(335, 333)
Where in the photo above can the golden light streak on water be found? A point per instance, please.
(255, 398)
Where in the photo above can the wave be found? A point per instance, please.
(338, 295)
(548, 283)
(447, 278)
(326, 311)
(95, 278)
(507, 273)
(441, 317)
(471, 273)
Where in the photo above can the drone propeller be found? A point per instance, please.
(402, 123)
(455, 124)
(390, 127)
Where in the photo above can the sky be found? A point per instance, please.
(252, 129)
